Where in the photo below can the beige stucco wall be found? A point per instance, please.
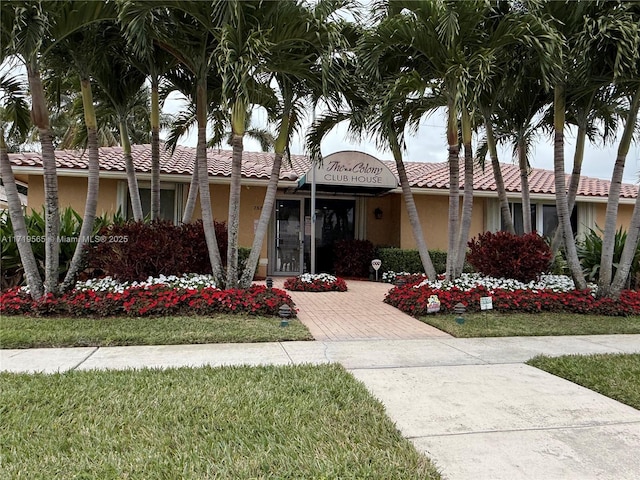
(433, 211)
(624, 215)
(251, 200)
(384, 231)
(72, 192)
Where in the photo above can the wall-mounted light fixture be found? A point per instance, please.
(377, 213)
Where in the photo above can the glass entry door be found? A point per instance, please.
(288, 237)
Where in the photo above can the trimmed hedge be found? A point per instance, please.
(400, 260)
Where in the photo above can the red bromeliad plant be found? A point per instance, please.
(152, 300)
(316, 283)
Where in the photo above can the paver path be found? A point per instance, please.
(357, 314)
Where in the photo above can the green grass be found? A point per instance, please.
(616, 376)
(314, 422)
(29, 332)
(524, 324)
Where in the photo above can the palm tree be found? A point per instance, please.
(240, 53)
(518, 123)
(15, 115)
(297, 50)
(29, 25)
(72, 52)
(121, 83)
(453, 45)
(186, 31)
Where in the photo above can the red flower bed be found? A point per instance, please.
(316, 285)
(413, 301)
(149, 301)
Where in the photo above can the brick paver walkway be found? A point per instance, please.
(357, 314)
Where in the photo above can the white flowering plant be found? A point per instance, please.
(318, 282)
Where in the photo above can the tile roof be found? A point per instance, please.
(257, 165)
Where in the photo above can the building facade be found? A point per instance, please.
(353, 195)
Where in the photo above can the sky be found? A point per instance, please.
(429, 144)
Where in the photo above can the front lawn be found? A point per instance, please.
(616, 376)
(33, 332)
(228, 423)
(496, 324)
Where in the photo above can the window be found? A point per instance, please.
(170, 201)
(545, 224)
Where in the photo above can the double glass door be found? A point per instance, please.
(291, 251)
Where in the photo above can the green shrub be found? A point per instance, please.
(70, 225)
(590, 252)
(400, 260)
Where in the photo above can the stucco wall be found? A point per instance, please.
(72, 192)
(433, 211)
(624, 215)
(384, 231)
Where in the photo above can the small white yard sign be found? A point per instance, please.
(486, 303)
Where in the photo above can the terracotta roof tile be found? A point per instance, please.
(258, 165)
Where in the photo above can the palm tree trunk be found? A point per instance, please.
(155, 150)
(578, 157)
(524, 185)
(132, 180)
(628, 252)
(203, 181)
(192, 197)
(611, 217)
(505, 213)
(40, 118)
(454, 189)
(562, 207)
(93, 185)
(238, 117)
(20, 232)
(412, 211)
(467, 201)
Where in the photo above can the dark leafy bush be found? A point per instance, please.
(135, 251)
(505, 255)
(352, 258)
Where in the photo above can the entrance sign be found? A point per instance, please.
(352, 169)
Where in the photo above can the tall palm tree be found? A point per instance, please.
(29, 30)
(186, 31)
(75, 53)
(613, 34)
(121, 83)
(293, 62)
(518, 124)
(454, 44)
(14, 121)
(239, 56)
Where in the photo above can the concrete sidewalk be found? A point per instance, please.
(471, 405)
